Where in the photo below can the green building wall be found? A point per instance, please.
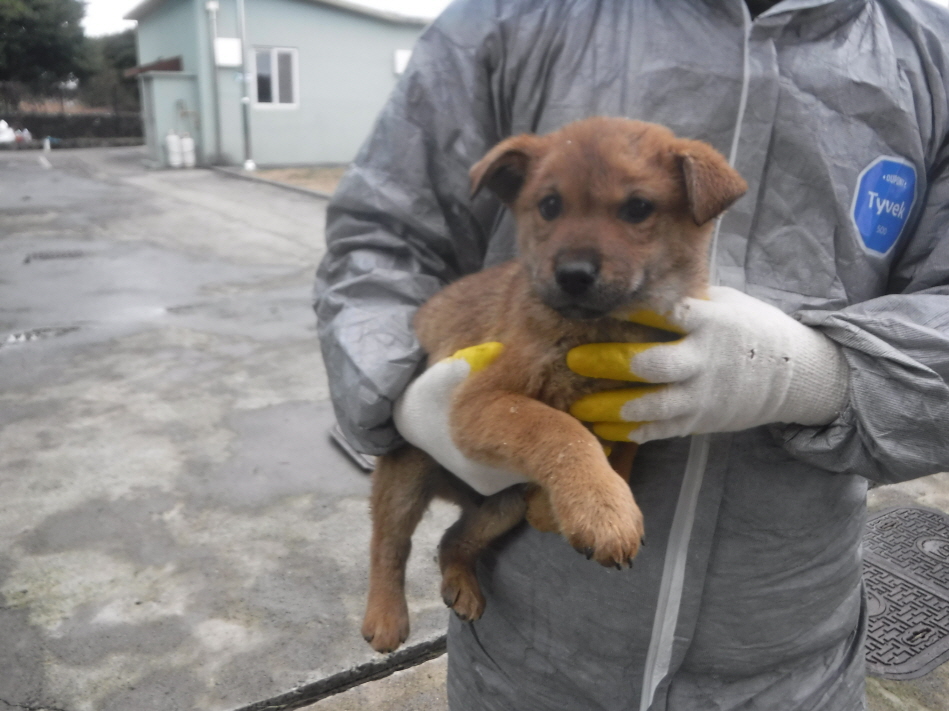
(346, 71)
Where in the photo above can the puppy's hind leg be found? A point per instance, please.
(461, 545)
(402, 488)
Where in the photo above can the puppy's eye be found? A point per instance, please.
(636, 210)
(550, 207)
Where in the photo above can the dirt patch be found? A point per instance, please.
(321, 178)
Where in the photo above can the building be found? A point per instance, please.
(318, 73)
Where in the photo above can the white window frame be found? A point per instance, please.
(275, 81)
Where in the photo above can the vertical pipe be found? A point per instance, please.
(245, 99)
(212, 7)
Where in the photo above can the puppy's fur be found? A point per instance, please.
(612, 215)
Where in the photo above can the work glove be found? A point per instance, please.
(739, 363)
(421, 416)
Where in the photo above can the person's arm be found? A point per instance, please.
(401, 225)
(896, 426)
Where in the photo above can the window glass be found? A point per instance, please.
(285, 77)
(276, 82)
(264, 82)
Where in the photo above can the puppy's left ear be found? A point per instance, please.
(711, 185)
(503, 169)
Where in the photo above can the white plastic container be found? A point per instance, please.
(173, 150)
(187, 150)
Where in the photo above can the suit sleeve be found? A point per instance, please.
(896, 426)
(401, 225)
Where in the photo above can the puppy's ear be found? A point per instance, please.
(711, 185)
(503, 169)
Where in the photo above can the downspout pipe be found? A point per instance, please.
(249, 163)
(212, 7)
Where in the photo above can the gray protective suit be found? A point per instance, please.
(748, 595)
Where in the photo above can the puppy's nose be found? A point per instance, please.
(576, 271)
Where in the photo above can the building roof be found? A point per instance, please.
(162, 65)
(147, 6)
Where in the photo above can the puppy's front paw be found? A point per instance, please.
(385, 627)
(602, 521)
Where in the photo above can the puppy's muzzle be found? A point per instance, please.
(578, 289)
(576, 272)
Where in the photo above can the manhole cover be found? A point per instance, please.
(59, 254)
(906, 572)
(37, 333)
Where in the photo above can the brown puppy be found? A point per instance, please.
(612, 215)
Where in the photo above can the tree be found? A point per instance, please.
(106, 85)
(41, 42)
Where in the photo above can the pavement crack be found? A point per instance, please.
(29, 707)
(346, 680)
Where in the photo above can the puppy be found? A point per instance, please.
(612, 216)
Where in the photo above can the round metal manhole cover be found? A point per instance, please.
(937, 548)
(876, 605)
(906, 573)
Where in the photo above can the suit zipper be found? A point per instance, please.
(659, 654)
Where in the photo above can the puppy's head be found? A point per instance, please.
(611, 213)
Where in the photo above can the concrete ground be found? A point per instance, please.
(176, 529)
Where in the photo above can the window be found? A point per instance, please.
(275, 69)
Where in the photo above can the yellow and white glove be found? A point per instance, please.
(421, 416)
(740, 363)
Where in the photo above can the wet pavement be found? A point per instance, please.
(177, 530)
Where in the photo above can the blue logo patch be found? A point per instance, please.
(886, 191)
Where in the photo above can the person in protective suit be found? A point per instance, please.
(749, 593)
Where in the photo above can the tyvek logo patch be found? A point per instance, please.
(886, 191)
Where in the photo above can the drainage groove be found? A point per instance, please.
(346, 680)
(906, 573)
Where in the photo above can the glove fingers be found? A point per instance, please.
(616, 431)
(663, 403)
(610, 361)
(668, 362)
(641, 432)
(478, 357)
(637, 362)
(664, 429)
(608, 405)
